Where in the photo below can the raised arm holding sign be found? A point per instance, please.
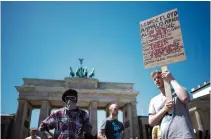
(162, 45)
(167, 86)
(162, 42)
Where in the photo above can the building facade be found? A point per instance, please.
(199, 109)
(7, 122)
(46, 95)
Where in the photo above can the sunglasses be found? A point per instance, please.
(70, 98)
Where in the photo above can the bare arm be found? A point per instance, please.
(181, 92)
(101, 134)
(154, 119)
(48, 124)
(49, 135)
(46, 131)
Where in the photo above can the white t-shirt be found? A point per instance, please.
(175, 126)
(31, 137)
(156, 104)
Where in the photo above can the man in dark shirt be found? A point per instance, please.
(112, 128)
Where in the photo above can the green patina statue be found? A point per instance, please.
(82, 72)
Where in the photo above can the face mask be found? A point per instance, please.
(71, 105)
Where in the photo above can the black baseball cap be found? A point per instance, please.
(69, 92)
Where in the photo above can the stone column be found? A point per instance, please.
(93, 116)
(44, 113)
(199, 121)
(4, 135)
(135, 120)
(205, 116)
(107, 110)
(7, 122)
(22, 120)
(125, 120)
(129, 132)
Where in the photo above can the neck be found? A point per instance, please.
(162, 91)
(113, 117)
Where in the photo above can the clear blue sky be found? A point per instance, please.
(42, 39)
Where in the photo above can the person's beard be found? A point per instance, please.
(70, 105)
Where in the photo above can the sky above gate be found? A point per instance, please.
(43, 39)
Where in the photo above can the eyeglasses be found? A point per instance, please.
(70, 98)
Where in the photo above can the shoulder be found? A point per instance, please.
(104, 121)
(38, 137)
(121, 123)
(58, 111)
(27, 138)
(108, 119)
(154, 99)
(83, 112)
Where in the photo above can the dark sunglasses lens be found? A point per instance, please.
(71, 98)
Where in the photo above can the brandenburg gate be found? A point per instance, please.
(46, 94)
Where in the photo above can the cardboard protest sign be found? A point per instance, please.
(161, 38)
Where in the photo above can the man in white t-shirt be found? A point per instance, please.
(33, 132)
(178, 124)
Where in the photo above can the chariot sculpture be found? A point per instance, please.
(82, 72)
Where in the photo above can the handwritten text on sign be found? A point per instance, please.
(162, 40)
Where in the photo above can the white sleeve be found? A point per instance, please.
(151, 108)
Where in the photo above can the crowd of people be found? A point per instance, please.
(169, 118)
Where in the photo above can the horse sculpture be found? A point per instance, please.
(82, 72)
(92, 73)
(71, 72)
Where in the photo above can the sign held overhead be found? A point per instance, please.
(161, 38)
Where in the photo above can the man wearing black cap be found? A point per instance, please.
(69, 122)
